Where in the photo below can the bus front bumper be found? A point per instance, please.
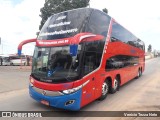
(59, 101)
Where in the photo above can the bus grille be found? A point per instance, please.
(47, 92)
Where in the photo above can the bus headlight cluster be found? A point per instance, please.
(69, 91)
(31, 85)
(31, 81)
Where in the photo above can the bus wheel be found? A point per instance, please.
(138, 74)
(105, 89)
(116, 86)
(141, 72)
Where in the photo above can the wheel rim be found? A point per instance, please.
(115, 84)
(104, 88)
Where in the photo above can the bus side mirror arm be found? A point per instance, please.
(23, 43)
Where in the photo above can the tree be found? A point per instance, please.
(149, 48)
(55, 6)
(105, 10)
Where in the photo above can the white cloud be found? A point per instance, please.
(141, 17)
(19, 22)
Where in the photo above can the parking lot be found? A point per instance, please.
(14, 77)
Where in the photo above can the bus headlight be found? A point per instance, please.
(69, 91)
(31, 81)
(31, 84)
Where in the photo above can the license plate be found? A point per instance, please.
(45, 102)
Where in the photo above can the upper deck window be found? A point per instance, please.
(65, 24)
(119, 33)
(98, 23)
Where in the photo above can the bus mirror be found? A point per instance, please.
(19, 52)
(92, 37)
(73, 50)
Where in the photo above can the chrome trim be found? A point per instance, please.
(47, 92)
(86, 36)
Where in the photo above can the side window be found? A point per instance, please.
(119, 33)
(98, 23)
(120, 61)
(114, 62)
(140, 44)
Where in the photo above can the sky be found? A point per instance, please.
(19, 20)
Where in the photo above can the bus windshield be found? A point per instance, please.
(65, 24)
(55, 64)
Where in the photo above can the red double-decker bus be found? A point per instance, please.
(82, 55)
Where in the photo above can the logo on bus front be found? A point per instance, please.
(43, 92)
(132, 51)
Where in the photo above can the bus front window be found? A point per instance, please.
(40, 60)
(55, 65)
(61, 63)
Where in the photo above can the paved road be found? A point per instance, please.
(139, 94)
(13, 78)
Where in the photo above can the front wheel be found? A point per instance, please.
(105, 90)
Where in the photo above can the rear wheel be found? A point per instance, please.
(141, 72)
(116, 86)
(138, 74)
(105, 90)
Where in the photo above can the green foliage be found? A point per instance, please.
(105, 10)
(55, 6)
(150, 48)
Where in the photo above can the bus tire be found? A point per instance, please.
(105, 90)
(138, 74)
(116, 83)
(141, 72)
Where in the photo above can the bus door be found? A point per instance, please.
(92, 49)
(88, 92)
